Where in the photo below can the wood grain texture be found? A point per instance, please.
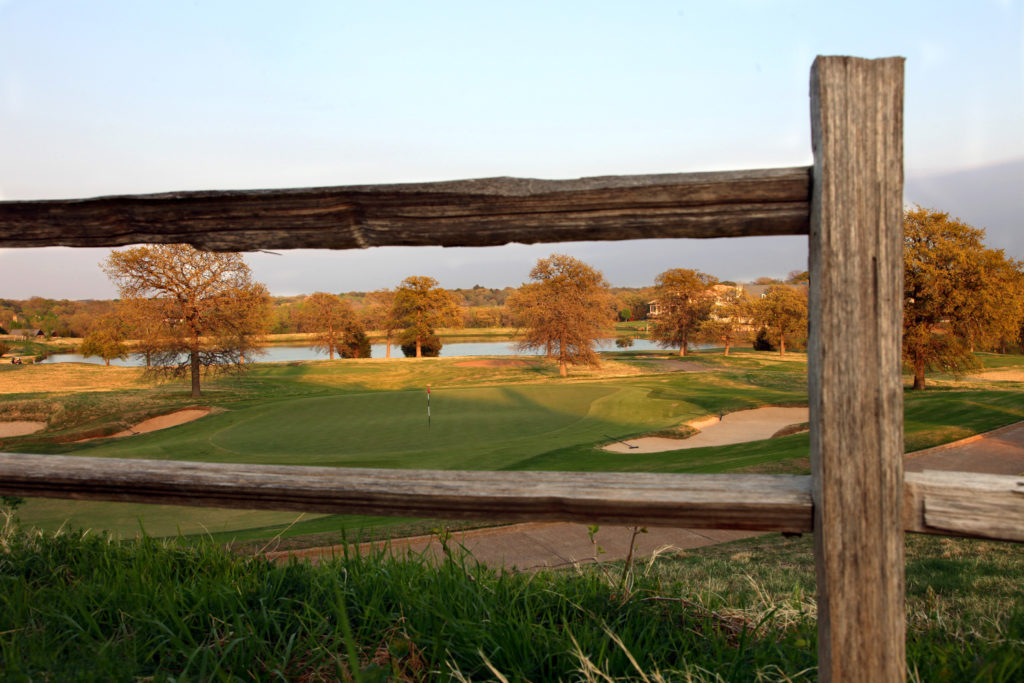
(757, 502)
(964, 504)
(952, 503)
(856, 400)
(485, 212)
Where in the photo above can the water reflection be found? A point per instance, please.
(280, 354)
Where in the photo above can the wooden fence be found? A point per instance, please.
(857, 501)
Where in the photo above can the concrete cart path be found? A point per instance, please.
(538, 545)
(559, 544)
(996, 452)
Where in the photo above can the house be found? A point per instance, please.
(755, 292)
(26, 332)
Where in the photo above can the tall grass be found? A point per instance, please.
(77, 606)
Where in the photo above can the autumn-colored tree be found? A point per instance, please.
(144, 319)
(567, 308)
(728, 322)
(335, 326)
(685, 299)
(378, 314)
(106, 339)
(420, 306)
(782, 312)
(956, 293)
(205, 309)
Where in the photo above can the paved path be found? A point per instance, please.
(997, 452)
(558, 544)
(537, 545)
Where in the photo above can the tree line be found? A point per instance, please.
(188, 310)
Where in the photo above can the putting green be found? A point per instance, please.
(491, 427)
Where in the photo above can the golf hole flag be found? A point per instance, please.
(428, 406)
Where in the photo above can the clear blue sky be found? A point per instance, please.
(124, 97)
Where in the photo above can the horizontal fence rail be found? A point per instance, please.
(984, 506)
(465, 213)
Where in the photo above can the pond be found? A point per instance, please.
(281, 354)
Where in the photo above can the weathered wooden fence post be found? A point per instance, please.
(856, 399)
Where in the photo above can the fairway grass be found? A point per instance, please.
(372, 413)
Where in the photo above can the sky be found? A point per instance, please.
(123, 97)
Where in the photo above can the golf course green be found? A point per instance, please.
(484, 418)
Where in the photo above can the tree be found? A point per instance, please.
(782, 312)
(956, 293)
(430, 345)
(335, 326)
(685, 299)
(106, 339)
(420, 306)
(727, 323)
(204, 308)
(379, 315)
(565, 311)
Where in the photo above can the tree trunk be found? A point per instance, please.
(193, 359)
(330, 351)
(387, 351)
(682, 349)
(106, 361)
(918, 371)
(782, 345)
(419, 350)
(563, 369)
(727, 348)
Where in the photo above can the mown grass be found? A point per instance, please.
(372, 414)
(82, 607)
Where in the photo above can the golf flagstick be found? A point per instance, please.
(428, 406)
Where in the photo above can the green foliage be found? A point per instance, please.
(685, 298)
(956, 293)
(355, 344)
(430, 344)
(335, 326)
(762, 341)
(419, 306)
(782, 314)
(564, 311)
(106, 340)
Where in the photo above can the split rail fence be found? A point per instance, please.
(857, 501)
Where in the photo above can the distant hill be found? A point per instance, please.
(990, 197)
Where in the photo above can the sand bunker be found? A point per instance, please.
(492, 363)
(20, 428)
(164, 421)
(672, 365)
(739, 427)
(154, 423)
(1001, 375)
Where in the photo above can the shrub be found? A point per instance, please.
(430, 347)
(357, 345)
(762, 342)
